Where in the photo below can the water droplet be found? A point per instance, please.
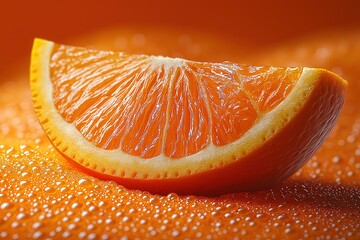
(15, 224)
(5, 205)
(3, 234)
(82, 234)
(336, 159)
(66, 234)
(36, 225)
(72, 226)
(75, 205)
(20, 216)
(175, 233)
(48, 189)
(82, 181)
(37, 234)
(22, 183)
(172, 196)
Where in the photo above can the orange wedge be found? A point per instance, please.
(172, 125)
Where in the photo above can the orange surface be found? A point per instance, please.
(41, 195)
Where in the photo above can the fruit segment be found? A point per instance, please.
(118, 94)
(189, 119)
(172, 125)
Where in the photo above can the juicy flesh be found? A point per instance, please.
(147, 106)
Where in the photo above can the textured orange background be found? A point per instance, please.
(258, 23)
(322, 200)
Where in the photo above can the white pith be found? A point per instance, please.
(167, 61)
(66, 136)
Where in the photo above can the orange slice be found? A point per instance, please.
(173, 125)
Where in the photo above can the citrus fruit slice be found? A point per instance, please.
(172, 125)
